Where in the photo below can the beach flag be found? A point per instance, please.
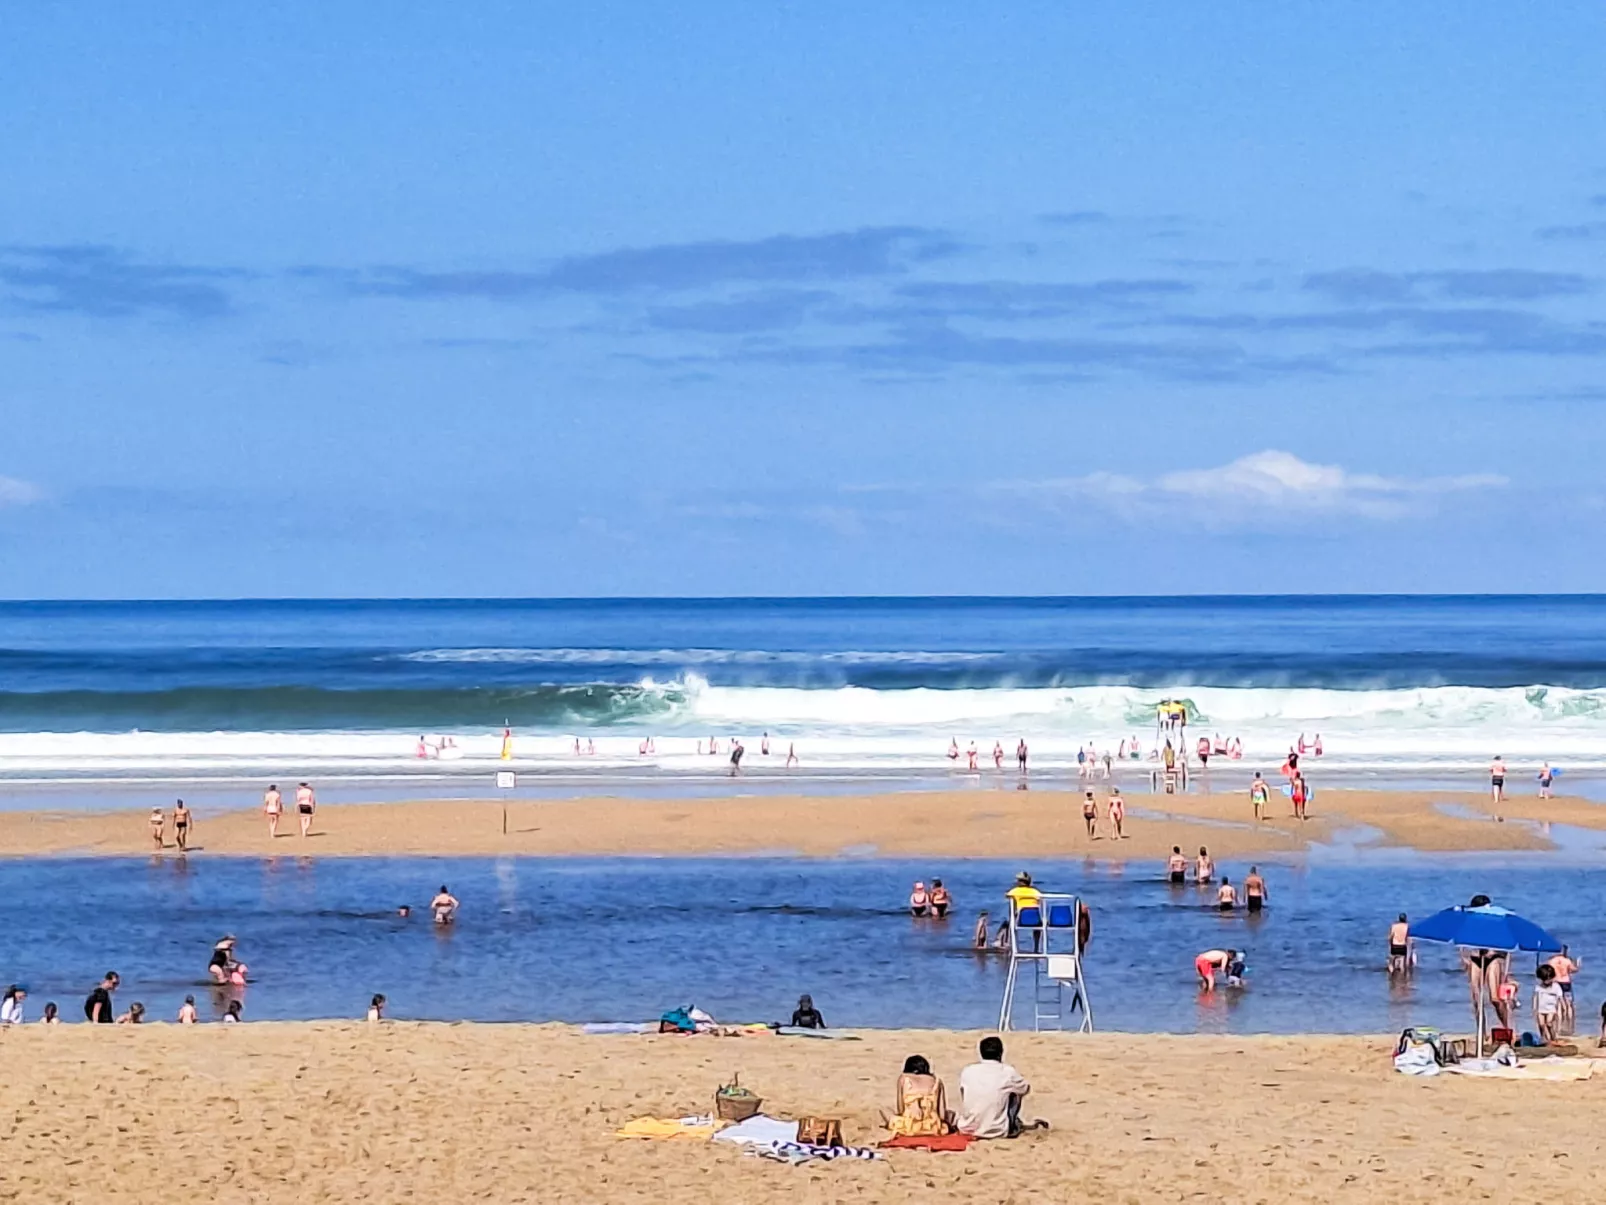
(507, 744)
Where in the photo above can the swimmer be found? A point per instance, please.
(940, 899)
(1497, 779)
(272, 808)
(1020, 755)
(1118, 814)
(186, 1011)
(1210, 961)
(222, 961)
(1226, 896)
(978, 939)
(444, 906)
(181, 826)
(157, 821)
(1400, 947)
(1203, 868)
(1254, 890)
(1259, 796)
(1090, 815)
(998, 755)
(919, 900)
(1177, 866)
(306, 805)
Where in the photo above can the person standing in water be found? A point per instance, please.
(1254, 890)
(1547, 775)
(1020, 754)
(444, 906)
(998, 755)
(1118, 813)
(1497, 779)
(1226, 896)
(306, 805)
(272, 808)
(1177, 866)
(919, 900)
(1259, 796)
(1209, 962)
(941, 901)
(1400, 947)
(978, 939)
(736, 757)
(1203, 868)
(181, 826)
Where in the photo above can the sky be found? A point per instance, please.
(750, 298)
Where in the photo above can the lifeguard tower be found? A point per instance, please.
(1048, 940)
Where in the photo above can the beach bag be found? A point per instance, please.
(1444, 1051)
(676, 1020)
(819, 1131)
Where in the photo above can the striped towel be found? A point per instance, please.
(804, 1152)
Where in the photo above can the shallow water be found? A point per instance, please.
(625, 939)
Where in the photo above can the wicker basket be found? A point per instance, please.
(735, 1103)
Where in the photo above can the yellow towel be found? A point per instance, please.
(664, 1130)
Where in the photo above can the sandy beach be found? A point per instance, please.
(1005, 824)
(517, 1113)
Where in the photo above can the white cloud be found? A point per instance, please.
(18, 493)
(1266, 484)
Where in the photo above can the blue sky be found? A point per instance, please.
(787, 299)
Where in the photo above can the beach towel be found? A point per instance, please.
(608, 1027)
(830, 1035)
(802, 1152)
(1554, 1070)
(929, 1142)
(759, 1129)
(668, 1129)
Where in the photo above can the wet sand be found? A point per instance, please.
(325, 1112)
(956, 823)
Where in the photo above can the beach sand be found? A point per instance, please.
(955, 823)
(328, 1111)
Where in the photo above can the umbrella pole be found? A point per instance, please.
(1483, 983)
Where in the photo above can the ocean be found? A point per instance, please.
(225, 694)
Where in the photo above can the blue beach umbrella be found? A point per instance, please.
(1484, 927)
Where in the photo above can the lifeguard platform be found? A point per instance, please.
(1047, 940)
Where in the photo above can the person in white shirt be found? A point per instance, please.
(11, 1005)
(1547, 1003)
(990, 1094)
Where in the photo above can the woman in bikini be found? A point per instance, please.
(157, 823)
(272, 808)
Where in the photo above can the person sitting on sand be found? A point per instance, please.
(1226, 896)
(134, 1016)
(940, 899)
(922, 1103)
(186, 1012)
(1210, 961)
(11, 1005)
(444, 906)
(990, 1094)
(805, 1015)
(52, 1015)
(919, 900)
(376, 1008)
(978, 939)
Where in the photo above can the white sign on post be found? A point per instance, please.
(506, 780)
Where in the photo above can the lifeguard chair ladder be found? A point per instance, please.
(1048, 940)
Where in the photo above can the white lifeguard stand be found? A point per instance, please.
(1047, 938)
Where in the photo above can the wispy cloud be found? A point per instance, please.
(1076, 217)
(1365, 285)
(866, 252)
(103, 282)
(1576, 232)
(15, 492)
(1265, 485)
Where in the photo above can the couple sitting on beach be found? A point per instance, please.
(990, 1094)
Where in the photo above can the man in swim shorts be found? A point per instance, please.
(1565, 966)
(1497, 779)
(1399, 946)
(1090, 814)
(306, 805)
(1226, 896)
(1177, 867)
(181, 826)
(1259, 795)
(1254, 890)
(1208, 963)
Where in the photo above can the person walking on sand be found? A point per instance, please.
(1090, 815)
(1259, 796)
(1497, 779)
(1118, 813)
(1255, 896)
(1299, 795)
(158, 821)
(306, 805)
(98, 1006)
(181, 826)
(272, 808)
